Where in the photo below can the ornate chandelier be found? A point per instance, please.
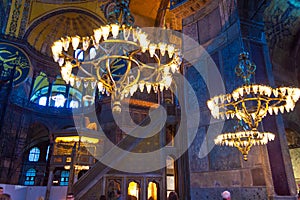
(249, 104)
(116, 58)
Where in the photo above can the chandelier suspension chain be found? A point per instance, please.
(249, 104)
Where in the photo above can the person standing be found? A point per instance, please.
(4, 196)
(102, 197)
(70, 196)
(118, 195)
(226, 195)
(173, 196)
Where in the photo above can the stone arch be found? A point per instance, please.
(153, 189)
(38, 137)
(37, 133)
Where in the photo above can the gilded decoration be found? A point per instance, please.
(13, 59)
(15, 18)
(25, 16)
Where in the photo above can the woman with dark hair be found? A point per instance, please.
(102, 197)
(173, 196)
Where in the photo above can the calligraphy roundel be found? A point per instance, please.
(13, 60)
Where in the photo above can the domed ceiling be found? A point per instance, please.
(78, 18)
(52, 19)
(69, 23)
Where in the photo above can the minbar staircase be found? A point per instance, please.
(94, 175)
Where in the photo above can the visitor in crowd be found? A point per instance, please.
(70, 196)
(226, 195)
(173, 196)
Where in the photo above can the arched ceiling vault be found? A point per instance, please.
(282, 27)
(53, 26)
(73, 18)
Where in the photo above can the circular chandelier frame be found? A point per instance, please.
(104, 49)
(249, 104)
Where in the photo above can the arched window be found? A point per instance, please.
(133, 189)
(74, 104)
(170, 175)
(34, 154)
(30, 175)
(59, 100)
(43, 101)
(60, 91)
(152, 191)
(79, 54)
(48, 151)
(64, 178)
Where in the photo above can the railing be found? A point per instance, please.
(24, 103)
(62, 160)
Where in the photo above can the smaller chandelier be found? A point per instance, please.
(118, 58)
(249, 104)
(244, 139)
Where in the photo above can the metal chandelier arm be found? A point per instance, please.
(249, 104)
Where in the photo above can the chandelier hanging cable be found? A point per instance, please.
(111, 58)
(249, 104)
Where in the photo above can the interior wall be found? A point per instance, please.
(218, 31)
(20, 192)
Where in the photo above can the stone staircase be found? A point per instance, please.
(94, 175)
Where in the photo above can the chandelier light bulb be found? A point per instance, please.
(100, 86)
(161, 86)
(152, 48)
(142, 86)
(66, 42)
(105, 31)
(173, 67)
(148, 87)
(58, 46)
(85, 43)
(115, 30)
(162, 47)
(97, 35)
(171, 49)
(72, 81)
(135, 33)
